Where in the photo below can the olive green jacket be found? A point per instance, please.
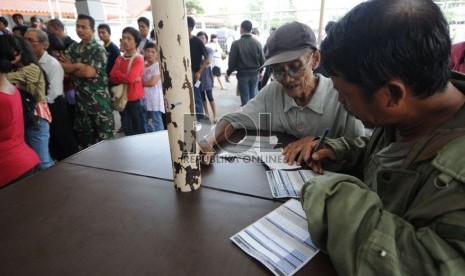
(411, 223)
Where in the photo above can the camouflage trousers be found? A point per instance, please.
(93, 127)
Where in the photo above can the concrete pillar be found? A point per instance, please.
(170, 22)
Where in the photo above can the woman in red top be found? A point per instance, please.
(133, 121)
(16, 158)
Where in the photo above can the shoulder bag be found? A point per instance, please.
(120, 91)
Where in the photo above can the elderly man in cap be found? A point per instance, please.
(298, 102)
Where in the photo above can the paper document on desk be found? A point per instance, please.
(245, 148)
(280, 240)
(263, 142)
(287, 183)
(274, 159)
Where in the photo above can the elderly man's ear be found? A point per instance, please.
(316, 59)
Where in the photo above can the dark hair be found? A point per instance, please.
(190, 22)
(34, 19)
(4, 21)
(17, 15)
(87, 17)
(27, 55)
(380, 40)
(55, 43)
(213, 36)
(135, 33)
(202, 33)
(9, 45)
(150, 45)
(144, 20)
(22, 29)
(56, 23)
(152, 34)
(246, 25)
(104, 26)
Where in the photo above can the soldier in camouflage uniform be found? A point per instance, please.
(86, 62)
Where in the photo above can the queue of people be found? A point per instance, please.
(396, 204)
(65, 85)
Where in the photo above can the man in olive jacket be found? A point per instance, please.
(389, 61)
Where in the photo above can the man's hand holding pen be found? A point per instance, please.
(309, 152)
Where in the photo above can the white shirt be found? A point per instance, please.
(323, 111)
(153, 94)
(55, 76)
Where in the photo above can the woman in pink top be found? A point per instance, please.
(133, 114)
(16, 158)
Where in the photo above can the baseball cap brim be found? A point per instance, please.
(285, 56)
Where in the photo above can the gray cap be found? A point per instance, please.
(289, 42)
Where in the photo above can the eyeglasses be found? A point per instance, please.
(32, 40)
(292, 72)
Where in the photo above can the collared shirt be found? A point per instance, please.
(55, 75)
(142, 44)
(272, 109)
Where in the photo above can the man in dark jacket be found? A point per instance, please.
(246, 57)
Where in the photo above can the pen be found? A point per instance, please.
(318, 146)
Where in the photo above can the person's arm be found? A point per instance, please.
(116, 71)
(222, 131)
(348, 222)
(155, 78)
(134, 74)
(232, 61)
(261, 56)
(203, 65)
(79, 70)
(205, 62)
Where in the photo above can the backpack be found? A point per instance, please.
(29, 104)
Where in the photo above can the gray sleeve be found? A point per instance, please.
(248, 117)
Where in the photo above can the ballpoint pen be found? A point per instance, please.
(318, 146)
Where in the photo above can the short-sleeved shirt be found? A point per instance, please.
(198, 52)
(153, 94)
(323, 111)
(91, 93)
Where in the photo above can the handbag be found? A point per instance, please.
(120, 91)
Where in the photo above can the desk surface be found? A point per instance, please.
(76, 220)
(144, 154)
(149, 155)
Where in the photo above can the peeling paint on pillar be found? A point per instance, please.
(176, 75)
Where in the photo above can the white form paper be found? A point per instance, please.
(274, 159)
(289, 183)
(280, 240)
(245, 148)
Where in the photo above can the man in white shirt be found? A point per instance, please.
(144, 29)
(62, 141)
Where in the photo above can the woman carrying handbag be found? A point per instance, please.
(128, 70)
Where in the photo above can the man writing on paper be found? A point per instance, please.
(298, 103)
(389, 60)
